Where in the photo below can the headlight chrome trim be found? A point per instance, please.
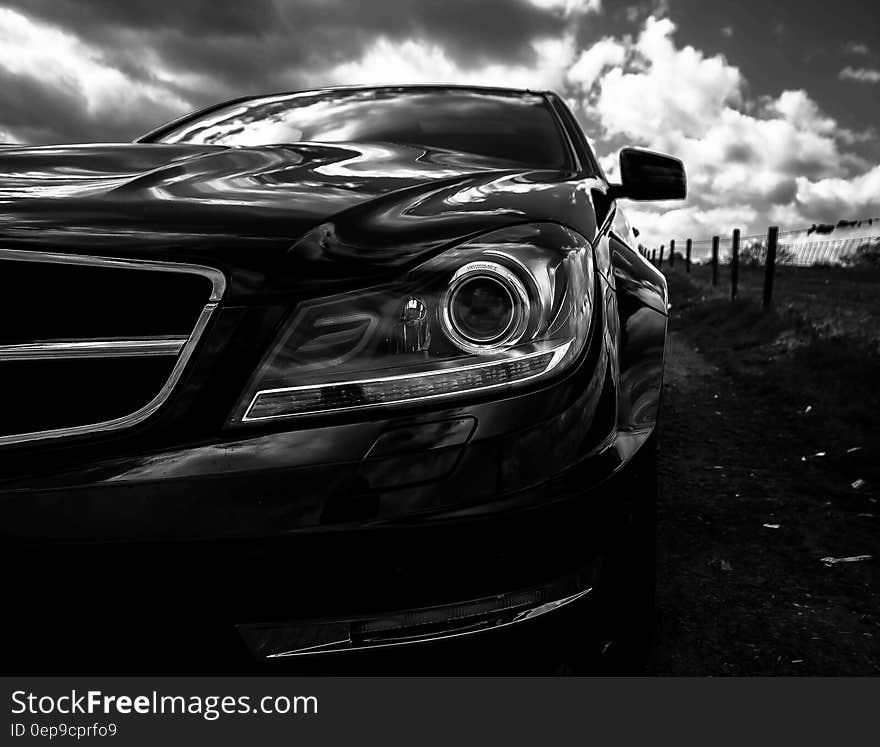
(514, 288)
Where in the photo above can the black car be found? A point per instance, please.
(329, 372)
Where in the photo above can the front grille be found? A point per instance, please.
(94, 344)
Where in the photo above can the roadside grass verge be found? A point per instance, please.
(782, 355)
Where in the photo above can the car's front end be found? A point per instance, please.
(271, 404)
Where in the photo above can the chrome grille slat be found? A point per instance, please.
(55, 349)
(218, 280)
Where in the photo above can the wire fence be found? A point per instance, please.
(826, 275)
(793, 248)
(851, 245)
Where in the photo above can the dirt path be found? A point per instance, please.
(743, 526)
(684, 363)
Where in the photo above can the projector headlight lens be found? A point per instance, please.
(500, 311)
(486, 306)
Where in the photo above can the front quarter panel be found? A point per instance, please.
(641, 299)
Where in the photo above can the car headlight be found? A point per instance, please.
(500, 311)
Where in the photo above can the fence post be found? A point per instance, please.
(770, 264)
(654, 257)
(661, 255)
(715, 240)
(687, 256)
(734, 264)
(672, 253)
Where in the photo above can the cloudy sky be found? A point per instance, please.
(772, 104)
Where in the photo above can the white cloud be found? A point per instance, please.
(570, 7)
(680, 223)
(594, 61)
(667, 90)
(7, 137)
(860, 74)
(853, 137)
(855, 47)
(749, 162)
(419, 61)
(802, 112)
(841, 198)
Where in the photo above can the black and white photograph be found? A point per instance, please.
(439, 339)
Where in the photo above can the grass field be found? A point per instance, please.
(816, 347)
(825, 301)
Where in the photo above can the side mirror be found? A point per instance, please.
(645, 175)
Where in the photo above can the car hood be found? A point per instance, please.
(272, 217)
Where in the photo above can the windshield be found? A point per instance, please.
(514, 126)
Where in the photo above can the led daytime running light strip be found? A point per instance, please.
(347, 395)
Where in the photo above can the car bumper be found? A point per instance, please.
(227, 605)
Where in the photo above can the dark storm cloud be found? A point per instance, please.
(783, 193)
(245, 43)
(92, 18)
(41, 113)
(213, 49)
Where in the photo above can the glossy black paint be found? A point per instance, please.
(289, 222)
